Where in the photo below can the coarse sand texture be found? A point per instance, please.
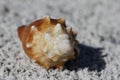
(96, 21)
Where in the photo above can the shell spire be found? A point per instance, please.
(47, 18)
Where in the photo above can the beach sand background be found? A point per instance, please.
(96, 21)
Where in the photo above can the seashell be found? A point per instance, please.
(48, 42)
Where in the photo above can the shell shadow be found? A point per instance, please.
(89, 57)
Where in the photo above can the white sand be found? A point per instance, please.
(98, 26)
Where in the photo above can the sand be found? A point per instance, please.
(97, 23)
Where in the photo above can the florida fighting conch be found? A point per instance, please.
(49, 42)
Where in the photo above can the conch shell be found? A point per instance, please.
(48, 42)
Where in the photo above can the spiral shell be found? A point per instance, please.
(48, 42)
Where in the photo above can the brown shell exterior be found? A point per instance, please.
(26, 36)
